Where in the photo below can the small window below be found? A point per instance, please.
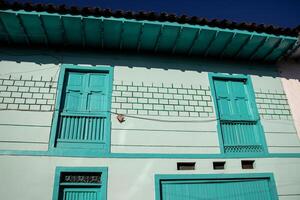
(80, 183)
(247, 164)
(219, 165)
(186, 165)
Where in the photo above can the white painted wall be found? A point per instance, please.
(136, 135)
(32, 178)
(290, 73)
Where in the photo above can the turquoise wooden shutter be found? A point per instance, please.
(233, 99)
(223, 96)
(81, 194)
(240, 96)
(86, 92)
(97, 92)
(74, 92)
(239, 189)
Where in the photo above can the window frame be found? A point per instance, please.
(64, 68)
(247, 78)
(60, 170)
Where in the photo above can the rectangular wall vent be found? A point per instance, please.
(186, 165)
(219, 165)
(247, 164)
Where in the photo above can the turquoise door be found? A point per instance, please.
(230, 189)
(81, 194)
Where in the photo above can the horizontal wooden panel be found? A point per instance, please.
(131, 35)
(149, 36)
(280, 50)
(235, 45)
(34, 28)
(219, 43)
(185, 40)
(73, 30)
(267, 47)
(203, 42)
(167, 38)
(14, 28)
(250, 47)
(112, 33)
(92, 32)
(54, 29)
(118, 33)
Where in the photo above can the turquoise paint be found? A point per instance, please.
(145, 21)
(96, 154)
(229, 89)
(155, 36)
(160, 180)
(86, 89)
(103, 185)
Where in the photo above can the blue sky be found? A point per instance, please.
(285, 13)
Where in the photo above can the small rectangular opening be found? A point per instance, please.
(80, 177)
(219, 165)
(247, 164)
(186, 165)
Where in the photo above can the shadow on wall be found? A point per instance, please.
(130, 59)
(290, 69)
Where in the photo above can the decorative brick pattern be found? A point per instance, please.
(273, 105)
(163, 100)
(36, 94)
(27, 94)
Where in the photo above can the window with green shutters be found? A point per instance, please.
(80, 183)
(82, 118)
(238, 118)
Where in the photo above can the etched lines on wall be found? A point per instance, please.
(162, 100)
(36, 94)
(27, 94)
(273, 105)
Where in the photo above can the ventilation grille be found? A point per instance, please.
(243, 148)
(80, 177)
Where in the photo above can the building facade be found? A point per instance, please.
(97, 105)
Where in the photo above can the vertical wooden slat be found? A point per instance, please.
(67, 128)
(82, 121)
(95, 129)
(102, 128)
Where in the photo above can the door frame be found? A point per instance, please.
(158, 178)
(61, 170)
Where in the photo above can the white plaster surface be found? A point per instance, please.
(290, 73)
(32, 178)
